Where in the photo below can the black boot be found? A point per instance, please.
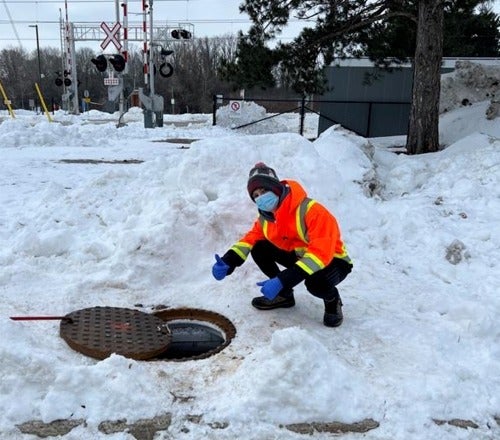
(333, 316)
(283, 301)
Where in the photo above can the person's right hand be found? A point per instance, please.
(219, 269)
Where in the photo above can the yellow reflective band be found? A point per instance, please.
(300, 218)
(310, 263)
(242, 249)
(305, 268)
(314, 260)
(264, 228)
(299, 225)
(343, 255)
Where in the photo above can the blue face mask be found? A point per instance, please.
(267, 201)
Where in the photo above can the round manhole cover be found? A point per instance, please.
(100, 331)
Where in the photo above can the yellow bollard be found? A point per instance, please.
(7, 101)
(43, 102)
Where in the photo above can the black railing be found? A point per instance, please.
(303, 108)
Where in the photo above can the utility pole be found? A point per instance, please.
(121, 102)
(38, 53)
(151, 48)
(153, 104)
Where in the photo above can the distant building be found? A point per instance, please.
(370, 101)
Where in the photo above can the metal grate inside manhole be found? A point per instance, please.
(191, 339)
(196, 333)
(171, 334)
(100, 331)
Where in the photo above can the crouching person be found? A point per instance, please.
(297, 233)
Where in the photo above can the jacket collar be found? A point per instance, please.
(292, 196)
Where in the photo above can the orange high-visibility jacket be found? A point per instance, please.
(302, 225)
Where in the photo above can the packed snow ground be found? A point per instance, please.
(421, 335)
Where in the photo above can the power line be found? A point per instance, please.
(196, 21)
(11, 22)
(38, 2)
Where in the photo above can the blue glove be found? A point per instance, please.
(219, 269)
(270, 288)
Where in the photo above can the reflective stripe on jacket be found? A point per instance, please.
(301, 225)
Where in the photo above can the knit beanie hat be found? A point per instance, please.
(262, 176)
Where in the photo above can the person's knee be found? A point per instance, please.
(317, 286)
(262, 244)
(259, 249)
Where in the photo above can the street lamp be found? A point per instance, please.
(38, 53)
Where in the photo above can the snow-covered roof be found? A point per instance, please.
(448, 62)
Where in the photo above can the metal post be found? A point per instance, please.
(74, 79)
(302, 114)
(214, 109)
(125, 34)
(148, 112)
(151, 61)
(145, 46)
(158, 113)
(38, 53)
(368, 122)
(121, 99)
(62, 36)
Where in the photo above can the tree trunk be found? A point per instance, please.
(423, 131)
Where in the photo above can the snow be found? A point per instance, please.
(469, 82)
(421, 335)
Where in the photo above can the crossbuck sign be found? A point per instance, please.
(112, 36)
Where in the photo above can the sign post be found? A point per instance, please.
(113, 37)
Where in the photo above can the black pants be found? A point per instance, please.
(321, 284)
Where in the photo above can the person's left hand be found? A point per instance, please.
(270, 288)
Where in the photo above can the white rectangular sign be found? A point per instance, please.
(111, 81)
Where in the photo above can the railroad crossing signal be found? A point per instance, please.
(100, 62)
(112, 36)
(118, 62)
(181, 34)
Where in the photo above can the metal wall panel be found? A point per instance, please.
(370, 101)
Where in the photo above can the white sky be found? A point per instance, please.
(210, 17)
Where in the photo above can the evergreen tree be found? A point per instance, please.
(253, 65)
(471, 29)
(344, 28)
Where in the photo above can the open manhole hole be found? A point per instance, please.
(170, 334)
(195, 333)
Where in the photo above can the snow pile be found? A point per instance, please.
(293, 361)
(420, 336)
(469, 83)
(248, 112)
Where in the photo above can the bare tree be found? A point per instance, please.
(192, 85)
(18, 75)
(195, 79)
